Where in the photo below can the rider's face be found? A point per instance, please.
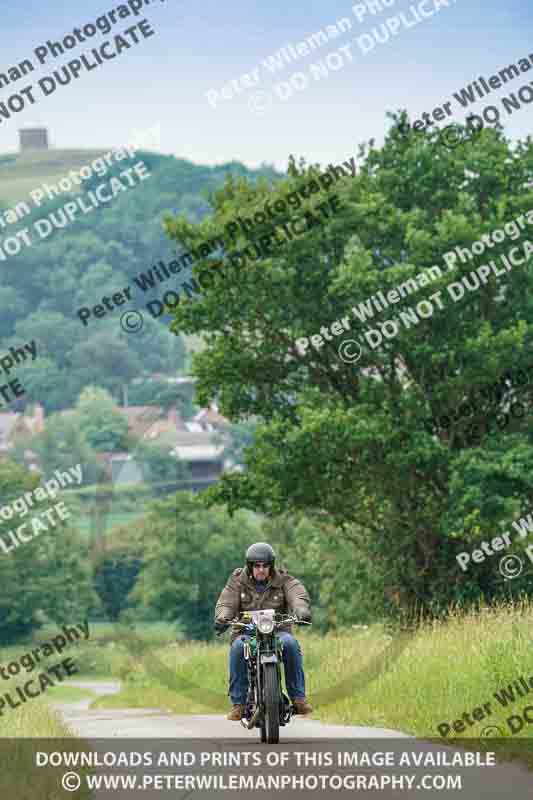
(261, 571)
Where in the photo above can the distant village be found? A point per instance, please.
(191, 442)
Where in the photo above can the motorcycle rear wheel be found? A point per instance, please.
(271, 696)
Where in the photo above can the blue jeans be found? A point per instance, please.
(292, 660)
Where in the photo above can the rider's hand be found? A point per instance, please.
(220, 627)
(302, 615)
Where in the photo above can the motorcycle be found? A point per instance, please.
(267, 706)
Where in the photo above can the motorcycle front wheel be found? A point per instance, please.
(271, 698)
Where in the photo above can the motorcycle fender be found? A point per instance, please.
(269, 659)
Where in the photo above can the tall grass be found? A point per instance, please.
(93, 658)
(34, 718)
(353, 677)
(446, 668)
(24, 731)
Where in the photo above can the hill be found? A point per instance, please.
(76, 265)
(22, 172)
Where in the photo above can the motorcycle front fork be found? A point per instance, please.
(252, 701)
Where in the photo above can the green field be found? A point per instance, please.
(20, 173)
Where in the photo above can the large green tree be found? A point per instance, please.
(345, 440)
(46, 578)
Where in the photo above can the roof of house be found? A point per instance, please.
(196, 446)
(198, 452)
(147, 413)
(162, 435)
(187, 380)
(12, 423)
(210, 416)
(7, 423)
(152, 421)
(191, 441)
(188, 441)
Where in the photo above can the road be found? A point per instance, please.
(154, 723)
(210, 733)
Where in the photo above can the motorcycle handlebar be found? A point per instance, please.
(237, 623)
(290, 618)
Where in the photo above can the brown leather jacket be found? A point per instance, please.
(284, 593)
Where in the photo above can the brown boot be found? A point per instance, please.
(302, 706)
(236, 713)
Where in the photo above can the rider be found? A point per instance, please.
(257, 586)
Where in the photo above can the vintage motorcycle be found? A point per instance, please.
(267, 707)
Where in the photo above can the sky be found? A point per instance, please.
(201, 47)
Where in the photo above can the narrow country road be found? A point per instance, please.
(154, 723)
(304, 736)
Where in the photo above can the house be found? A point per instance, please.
(203, 457)
(10, 425)
(193, 442)
(15, 426)
(150, 422)
(190, 442)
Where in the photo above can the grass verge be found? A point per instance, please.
(448, 668)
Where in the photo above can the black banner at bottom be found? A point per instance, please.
(56, 769)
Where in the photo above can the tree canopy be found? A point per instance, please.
(347, 442)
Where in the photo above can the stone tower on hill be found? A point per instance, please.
(33, 139)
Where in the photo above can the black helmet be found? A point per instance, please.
(260, 551)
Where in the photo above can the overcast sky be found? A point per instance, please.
(203, 46)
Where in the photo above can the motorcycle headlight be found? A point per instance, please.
(266, 625)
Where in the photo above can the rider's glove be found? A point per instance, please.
(220, 627)
(302, 615)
